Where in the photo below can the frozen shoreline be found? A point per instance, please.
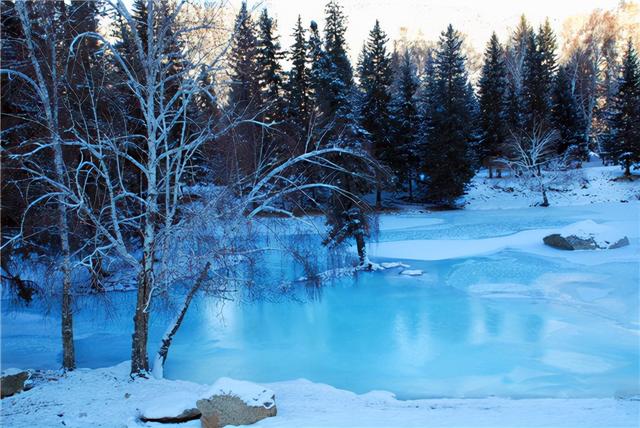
(108, 398)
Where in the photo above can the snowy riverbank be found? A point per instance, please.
(109, 398)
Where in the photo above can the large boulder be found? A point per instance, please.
(234, 402)
(586, 235)
(221, 410)
(13, 382)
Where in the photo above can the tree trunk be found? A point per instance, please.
(68, 350)
(627, 168)
(167, 339)
(66, 322)
(378, 195)
(545, 200)
(410, 187)
(362, 249)
(490, 171)
(139, 357)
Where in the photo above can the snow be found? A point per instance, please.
(602, 235)
(391, 265)
(10, 371)
(590, 185)
(108, 397)
(411, 272)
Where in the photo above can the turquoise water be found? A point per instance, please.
(509, 324)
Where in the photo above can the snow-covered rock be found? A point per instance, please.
(586, 235)
(234, 402)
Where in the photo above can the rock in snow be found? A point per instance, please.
(586, 235)
(12, 382)
(226, 402)
(222, 410)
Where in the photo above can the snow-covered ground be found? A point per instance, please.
(494, 310)
(591, 184)
(109, 398)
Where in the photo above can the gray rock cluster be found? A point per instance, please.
(572, 242)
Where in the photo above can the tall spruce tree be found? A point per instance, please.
(298, 85)
(539, 72)
(245, 96)
(624, 141)
(347, 217)
(449, 165)
(515, 58)
(492, 99)
(269, 56)
(375, 84)
(566, 118)
(405, 122)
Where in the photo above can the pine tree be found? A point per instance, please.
(426, 106)
(375, 83)
(566, 117)
(298, 84)
(624, 141)
(539, 70)
(268, 60)
(492, 102)
(449, 166)
(405, 122)
(515, 59)
(346, 217)
(245, 96)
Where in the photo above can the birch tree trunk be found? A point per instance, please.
(47, 92)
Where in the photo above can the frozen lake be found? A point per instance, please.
(520, 320)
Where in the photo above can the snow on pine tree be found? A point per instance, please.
(492, 100)
(405, 122)
(624, 141)
(375, 85)
(448, 164)
(566, 117)
(347, 213)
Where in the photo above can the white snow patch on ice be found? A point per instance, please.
(391, 265)
(411, 272)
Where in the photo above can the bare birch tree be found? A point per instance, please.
(46, 83)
